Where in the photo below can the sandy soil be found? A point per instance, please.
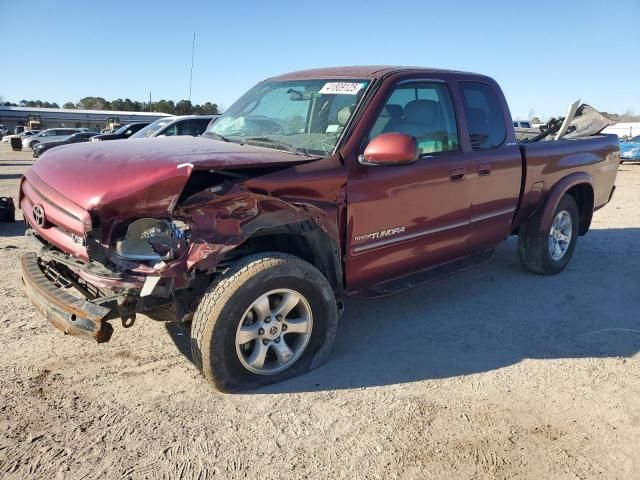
(494, 373)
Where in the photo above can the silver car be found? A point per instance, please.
(193, 125)
(50, 135)
(25, 134)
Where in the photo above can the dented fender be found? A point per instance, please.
(221, 224)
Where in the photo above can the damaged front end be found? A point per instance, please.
(65, 291)
(161, 264)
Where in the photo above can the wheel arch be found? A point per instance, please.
(305, 240)
(583, 194)
(580, 186)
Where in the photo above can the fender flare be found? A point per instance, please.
(558, 190)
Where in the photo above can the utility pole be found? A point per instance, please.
(193, 48)
(149, 101)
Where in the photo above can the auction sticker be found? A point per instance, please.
(341, 88)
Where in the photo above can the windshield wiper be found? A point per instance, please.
(277, 143)
(217, 136)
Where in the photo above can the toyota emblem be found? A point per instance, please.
(38, 215)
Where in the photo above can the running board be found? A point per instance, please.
(423, 277)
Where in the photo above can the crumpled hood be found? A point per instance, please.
(142, 176)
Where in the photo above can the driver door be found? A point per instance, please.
(403, 219)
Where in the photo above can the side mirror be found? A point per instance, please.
(389, 149)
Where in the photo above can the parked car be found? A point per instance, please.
(524, 129)
(49, 135)
(123, 132)
(361, 181)
(192, 125)
(522, 124)
(24, 134)
(630, 150)
(78, 137)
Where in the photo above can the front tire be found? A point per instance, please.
(547, 249)
(269, 317)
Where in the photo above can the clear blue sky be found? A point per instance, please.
(545, 54)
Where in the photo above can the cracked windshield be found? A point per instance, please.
(305, 116)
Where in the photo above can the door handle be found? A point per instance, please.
(484, 170)
(457, 174)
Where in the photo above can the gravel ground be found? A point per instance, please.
(493, 373)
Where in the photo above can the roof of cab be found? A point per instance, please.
(357, 71)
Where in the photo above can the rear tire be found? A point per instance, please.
(229, 332)
(547, 249)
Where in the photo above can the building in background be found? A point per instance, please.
(624, 129)
(95, 120)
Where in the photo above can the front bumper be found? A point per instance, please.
(69, 314)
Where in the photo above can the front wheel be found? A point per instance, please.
(269, 317)
(548, 249)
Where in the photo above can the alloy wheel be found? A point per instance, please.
(274, 332)
(560, 235)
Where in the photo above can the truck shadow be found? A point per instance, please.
(488, 318)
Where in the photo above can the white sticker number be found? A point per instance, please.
(341, 88)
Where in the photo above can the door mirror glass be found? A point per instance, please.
(390, 149)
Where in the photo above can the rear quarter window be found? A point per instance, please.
(484, 115)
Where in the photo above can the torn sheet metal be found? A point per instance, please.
(581, 121)
(222, 224)
(588, 121)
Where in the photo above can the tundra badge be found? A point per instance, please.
(382, 234)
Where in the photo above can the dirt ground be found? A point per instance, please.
(493, 373)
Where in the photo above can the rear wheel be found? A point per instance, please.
(269, 317)
(548, 249)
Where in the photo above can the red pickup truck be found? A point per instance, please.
(361, 181)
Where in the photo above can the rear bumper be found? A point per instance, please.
(69, 314)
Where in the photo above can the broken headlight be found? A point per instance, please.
(150, 239)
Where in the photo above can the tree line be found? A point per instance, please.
(627, 116)
(182, 107)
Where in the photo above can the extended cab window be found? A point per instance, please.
(422, 110)
(484, 115)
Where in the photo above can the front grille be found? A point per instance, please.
(54, 218)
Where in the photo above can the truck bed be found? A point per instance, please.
(547, 162)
